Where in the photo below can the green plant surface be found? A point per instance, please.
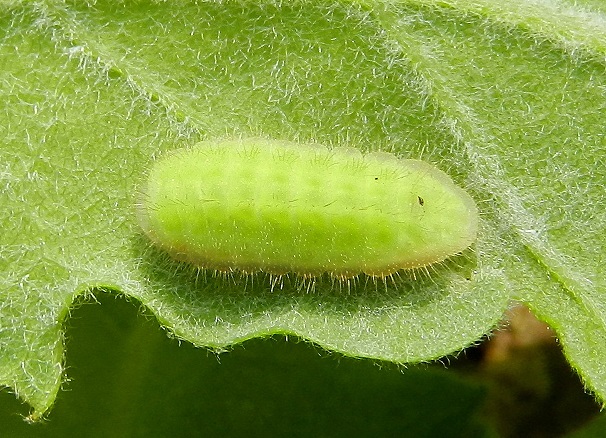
(595, 429)
(128, 379)
(506, 97)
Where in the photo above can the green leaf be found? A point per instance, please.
(594, 429)
(129, 379)
(508, 98)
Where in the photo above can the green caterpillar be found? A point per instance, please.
(280, 207)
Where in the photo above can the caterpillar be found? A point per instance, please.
(282, 207)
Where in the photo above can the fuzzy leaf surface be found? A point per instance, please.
(508, 98)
